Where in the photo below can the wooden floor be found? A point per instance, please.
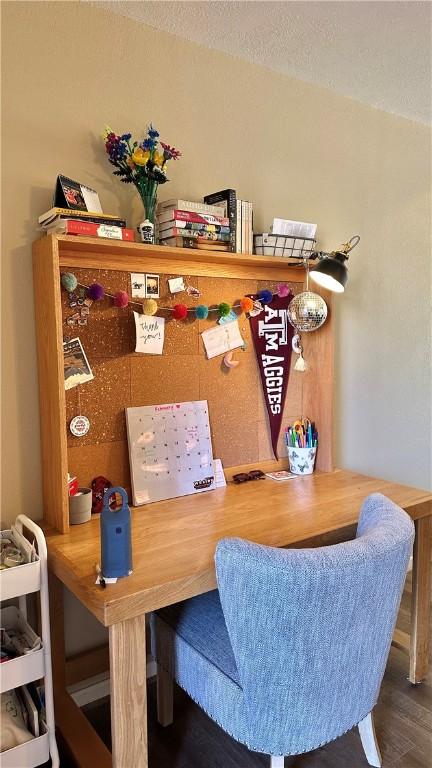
(403, 719)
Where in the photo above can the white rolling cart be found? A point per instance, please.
(19, 582)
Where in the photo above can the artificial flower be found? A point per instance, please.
(140, 157)
(158, 158)
(158, 174)
(170, 153)
(152, 132)
(148, 144)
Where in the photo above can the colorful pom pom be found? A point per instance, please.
(246, 304)
(150, 307)
(201, 312)
(179, 312)
(265, 296)
(69, 281)
(282, 290)
(96, 291)
(224, 309)
(121, 299)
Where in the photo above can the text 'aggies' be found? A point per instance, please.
(274, 329)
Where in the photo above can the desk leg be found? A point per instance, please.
(128, 693)
(421, 600)
(84, 744)
(57, 633)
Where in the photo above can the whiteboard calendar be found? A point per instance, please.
(170, 450)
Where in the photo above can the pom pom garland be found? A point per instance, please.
(96, 292)
(265, 296)
(224, 309)
(69, 281)
(179, 312)
(121, 299)
(246, 304)
(282, 290)
(150, 307)
(201, 312)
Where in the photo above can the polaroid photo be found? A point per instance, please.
(76, 366)
(138, 285)
(152, 286)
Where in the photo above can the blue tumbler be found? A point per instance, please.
(115, 528)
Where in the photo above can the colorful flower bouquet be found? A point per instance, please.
(141, 163)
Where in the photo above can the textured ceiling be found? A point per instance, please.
(376, 52)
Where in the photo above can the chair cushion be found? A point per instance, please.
(200, 622)
(190, 640)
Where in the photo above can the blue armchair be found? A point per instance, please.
(290, 651)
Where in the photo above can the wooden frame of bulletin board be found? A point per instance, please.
(123, 378)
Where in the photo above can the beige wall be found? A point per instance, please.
(294, 149)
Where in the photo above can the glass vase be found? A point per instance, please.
(148, 193)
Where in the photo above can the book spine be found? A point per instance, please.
(90, 229)
(76, 213)
(232, 215)
(193, 226)
(188, 205)
(85, 220)
(205, 218)
(251, 245)
(243, 227)
(229, 195)
(197, 234)
(238, 227)
(190, 242)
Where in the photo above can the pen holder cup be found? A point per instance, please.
(80, 506)
(301, 460)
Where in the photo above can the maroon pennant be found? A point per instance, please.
(272, 335)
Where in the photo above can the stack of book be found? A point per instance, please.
(66, 221)
(186, 224)
(239, 213)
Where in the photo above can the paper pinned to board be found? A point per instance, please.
(150, 334)
(222, 338)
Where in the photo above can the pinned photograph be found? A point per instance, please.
(138, 285)
(76, 366)
(152, 286)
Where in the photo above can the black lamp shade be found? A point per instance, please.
(331, 273)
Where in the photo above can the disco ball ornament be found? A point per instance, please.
(307, 311)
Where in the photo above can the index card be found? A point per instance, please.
(221, 338)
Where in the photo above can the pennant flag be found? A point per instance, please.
(272, 335)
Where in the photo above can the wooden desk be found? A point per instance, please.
(173, 549)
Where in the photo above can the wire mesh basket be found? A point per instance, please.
(268, 244)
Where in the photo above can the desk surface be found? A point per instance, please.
(174, 541)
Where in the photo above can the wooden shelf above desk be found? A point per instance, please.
(239, 423)
(135, 257)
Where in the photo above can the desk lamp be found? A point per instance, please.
(331, 272)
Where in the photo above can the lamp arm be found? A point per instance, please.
(341, 254)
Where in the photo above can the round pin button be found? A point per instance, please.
(79, 426)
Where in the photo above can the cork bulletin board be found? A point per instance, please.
(123, 378)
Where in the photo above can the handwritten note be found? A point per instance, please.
(221, 338)
(150, 334)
